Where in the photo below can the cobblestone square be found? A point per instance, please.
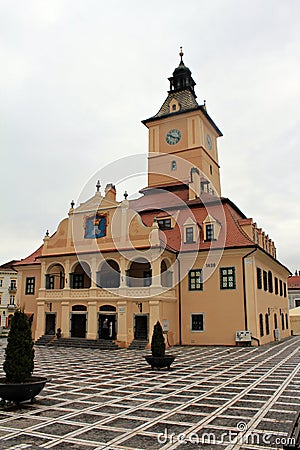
(213, 397)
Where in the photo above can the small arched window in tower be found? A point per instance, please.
(174, 107)
(173, 165)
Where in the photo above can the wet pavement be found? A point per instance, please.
(212, 398)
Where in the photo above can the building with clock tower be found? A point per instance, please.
(180, 254)
(182, 128)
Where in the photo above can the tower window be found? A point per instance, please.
(210, 169)
(174, 107)
(173, 165)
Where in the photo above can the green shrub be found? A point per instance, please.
(19, 353)
(158, 346)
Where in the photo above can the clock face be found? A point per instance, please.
(173, 137)
(209, 141)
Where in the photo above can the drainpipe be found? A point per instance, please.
(244, 292)
(179, 301)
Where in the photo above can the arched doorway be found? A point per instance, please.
(139, 273)
(78, 321)
(109, 274)
(107, 322)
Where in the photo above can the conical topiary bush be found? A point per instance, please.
(158, 346)
(19, 354)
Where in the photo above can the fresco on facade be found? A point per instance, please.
(95, 227)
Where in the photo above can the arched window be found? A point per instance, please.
(282, 321)
(79, 308)
(166, 276)
(109, 275)
(267, 323)
(287, 321)
(275, 321)
(107, 308)
(55, 278)
(261, 325)
(81, 277)
(139, 274)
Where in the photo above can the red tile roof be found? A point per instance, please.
(31, 259)
(294, 282)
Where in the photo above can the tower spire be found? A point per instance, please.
(181, 55)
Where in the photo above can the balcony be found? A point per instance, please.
(96, 293)
(12, 289)
(11, 307)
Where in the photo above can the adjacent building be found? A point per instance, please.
(8, 292)
(180, 253)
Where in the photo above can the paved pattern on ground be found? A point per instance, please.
(212, 398)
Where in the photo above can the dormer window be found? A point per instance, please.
(211, 228)
(189, 235)
(210, 235)
(190, 231)
(174, 105)
(164, 224)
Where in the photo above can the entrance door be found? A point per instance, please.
(78, 325)
(141, 327)
(50, 324)
(107, 326)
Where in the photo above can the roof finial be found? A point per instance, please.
(98, 186)
(181, 54)
(72, 204)
(125, 195)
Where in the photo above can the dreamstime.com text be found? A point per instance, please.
(238, 436)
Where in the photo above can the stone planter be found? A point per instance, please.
(21, 392)
(160, 361)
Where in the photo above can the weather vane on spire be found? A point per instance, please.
(181, 54)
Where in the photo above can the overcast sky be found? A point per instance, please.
(78, 76)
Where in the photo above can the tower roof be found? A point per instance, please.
(182, 91)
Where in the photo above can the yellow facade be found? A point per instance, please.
(196, 263)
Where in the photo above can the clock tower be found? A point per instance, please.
(183, 137)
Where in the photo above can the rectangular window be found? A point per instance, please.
(197, 322)
(12, 300)
(189, 235)
(227, 278)
(280, 288)
(270, 281)
(265, 280)
(284, 289)
(210, 235)
(259, 278)
(30, 282)
(1, 283)
(78, 279)
(276, 285)
(164, 224)
(13, 285)
(195, 280)
(49, 281)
